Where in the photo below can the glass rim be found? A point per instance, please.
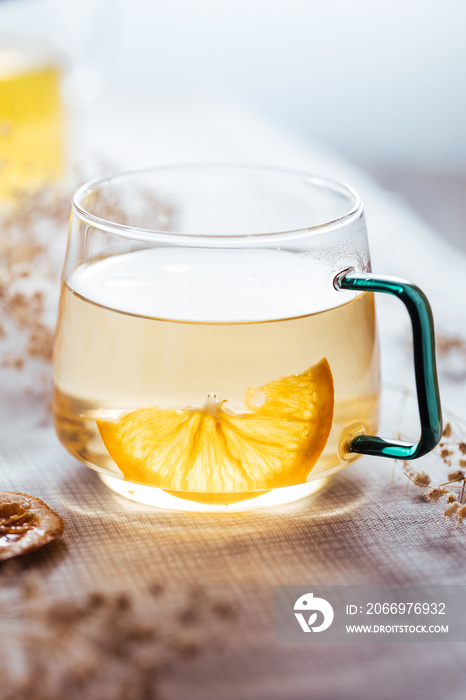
(157, 235)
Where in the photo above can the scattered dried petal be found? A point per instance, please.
(40, 341)
(223, 609)
(156, 589)
(457, 475)
(461, 513)
(435, 493)
(451, 509)
(13, 361)
(421, 479)
(447, 430)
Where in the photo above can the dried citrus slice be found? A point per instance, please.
(26, 523)
(210, 449)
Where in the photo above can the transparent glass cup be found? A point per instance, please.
(216, 346)
(32, 115)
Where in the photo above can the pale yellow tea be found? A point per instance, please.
(201, 375)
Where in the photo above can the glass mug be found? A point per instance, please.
(216, 346)
(32, 115)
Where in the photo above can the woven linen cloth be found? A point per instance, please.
(361, 529)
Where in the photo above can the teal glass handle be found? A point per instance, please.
(428, 397)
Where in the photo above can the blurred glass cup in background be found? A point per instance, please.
(52, 65)
(32, 128)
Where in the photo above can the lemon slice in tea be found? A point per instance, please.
(214, 452)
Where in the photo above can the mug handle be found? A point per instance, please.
(430, 412)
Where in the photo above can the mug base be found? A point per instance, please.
(153, 496)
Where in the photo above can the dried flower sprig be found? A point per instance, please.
(103, 645)
(450, 450)
(32, 248)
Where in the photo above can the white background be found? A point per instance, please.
(382, 81)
